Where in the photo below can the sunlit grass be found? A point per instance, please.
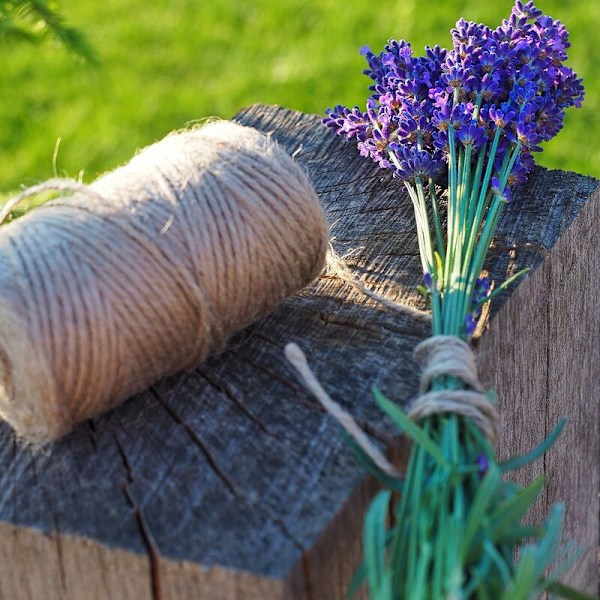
(164, 64)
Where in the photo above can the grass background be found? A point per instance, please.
(166, 63)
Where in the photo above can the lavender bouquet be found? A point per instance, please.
(459, 127)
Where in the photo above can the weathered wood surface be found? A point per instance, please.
(229, 482)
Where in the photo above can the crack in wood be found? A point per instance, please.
(546, 424)
(152, 550)
(59, 554)
(358, 240)
(226, 389)
(347, 184)
(347, 323)
(195, 438)
(149, 542)
(125, 460)
(239, 494)
(268, 340)
(92, 428)
(301, 398)
(271, 373)
(329, 318)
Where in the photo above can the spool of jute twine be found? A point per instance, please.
(147, 271)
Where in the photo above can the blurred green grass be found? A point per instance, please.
(164, 64)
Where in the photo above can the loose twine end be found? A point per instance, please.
(298, 360)
(338, 267)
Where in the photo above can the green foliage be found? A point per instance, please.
(164, 64)
(35, 20)
(455, 528)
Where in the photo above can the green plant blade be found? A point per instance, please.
(517, 462)
(375, 541)
(357, 580)
(504, 285)
(397, 485)
(566, 591)
(479, 508)
(511, 511)
(411, 429)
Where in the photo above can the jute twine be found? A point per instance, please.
(447, 355)
(146, 271)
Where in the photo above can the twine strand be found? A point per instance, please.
(298, 360)
(439, 356)
(337, 265)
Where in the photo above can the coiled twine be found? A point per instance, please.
(147, 271)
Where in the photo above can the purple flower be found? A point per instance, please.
(470, 324)
(351, 123)
(569, 89)
(495, 184)
(457, 77)
(489, 62)
(522, 95)
(482, 290)
(442, 118)
(483, 464)
(521, 169)
(467, 31)
(376, 147)
(489, 86)
(527, 10)
(462, 115)
(528, 136)
(414, 163)
(480, 293)
(503, 192)
(511, 79)
(501, 117)
(441, 143)
(428, 280)
(472, 135)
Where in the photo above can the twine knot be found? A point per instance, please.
(448, 355)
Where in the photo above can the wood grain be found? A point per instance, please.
(230, 482)
(543, 358)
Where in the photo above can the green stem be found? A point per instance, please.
(426, 229)
(476, 224)
(422, 226)
(437, 222)
(493, 215)
(476, 186)
(458, 281)
(450, 228)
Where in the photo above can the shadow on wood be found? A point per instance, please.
(230, 482)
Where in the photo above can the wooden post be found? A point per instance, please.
(230, 482)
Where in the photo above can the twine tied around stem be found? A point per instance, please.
(448, 355)
(439, 356)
